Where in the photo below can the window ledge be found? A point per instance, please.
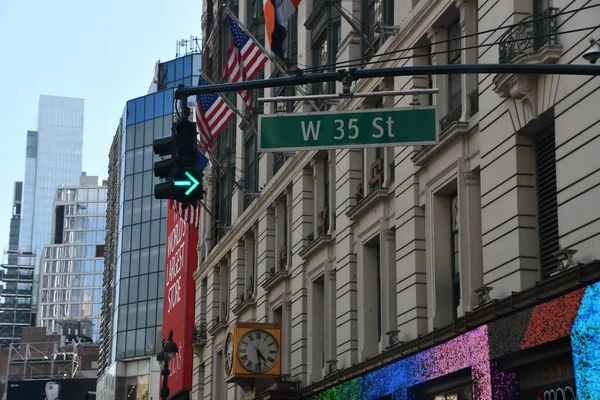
(216, 327)
(447, 137)
(315, 245)
(243, 305)
(275, 278)
(198, 343)
(367, 202)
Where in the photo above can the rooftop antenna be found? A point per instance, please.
(192, 46)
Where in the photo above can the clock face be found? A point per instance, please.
(258, 351)
(228, 353)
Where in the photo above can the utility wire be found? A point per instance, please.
(482, 45)
(424, 46)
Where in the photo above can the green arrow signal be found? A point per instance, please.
(192, 183)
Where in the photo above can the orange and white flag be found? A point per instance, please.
(277, 14)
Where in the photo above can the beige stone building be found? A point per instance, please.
(356, 251)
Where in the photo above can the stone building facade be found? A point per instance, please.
(439, 232)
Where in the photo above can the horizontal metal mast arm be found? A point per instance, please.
(341, 96)
(183, 92)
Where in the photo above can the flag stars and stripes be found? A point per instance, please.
(244, 59)
(212, 115)
(191, 214)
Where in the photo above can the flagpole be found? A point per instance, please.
(260, 46)
(269, 54)
(230, 104)
(239, 113)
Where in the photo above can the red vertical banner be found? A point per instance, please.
(179, 298)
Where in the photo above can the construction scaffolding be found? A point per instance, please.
(16, 295)
(33, 361)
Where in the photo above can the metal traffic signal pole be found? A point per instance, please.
(348, 76)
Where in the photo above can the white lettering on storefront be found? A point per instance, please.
(175, 256)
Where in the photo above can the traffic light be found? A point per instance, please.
(181, 172)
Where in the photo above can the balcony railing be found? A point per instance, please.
(279, 160)
(199, 332)
(474, 100)
(450, 118)
(14, 274)
(534, 33)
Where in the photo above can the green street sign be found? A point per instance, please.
(381, 127)
(187, 184)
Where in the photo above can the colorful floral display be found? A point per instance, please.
(585, 342)
(577, 314)
(552, 320)
(469, 350)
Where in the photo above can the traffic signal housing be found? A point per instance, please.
(183, 179)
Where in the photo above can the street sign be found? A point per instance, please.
(381, 127)
(187, 184)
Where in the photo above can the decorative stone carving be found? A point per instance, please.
(432, 33)
(483, 294)
(523, 88)
(393, 337)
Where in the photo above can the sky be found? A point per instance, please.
(103, 51)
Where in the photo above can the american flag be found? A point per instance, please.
(244, 58)
(191, 214)
(212, 115)
(234, 71)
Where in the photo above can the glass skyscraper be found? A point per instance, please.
(16, 281)
(72, 266)
(132, 302)
(53, 158)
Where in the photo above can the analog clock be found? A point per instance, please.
(257, 351)
(228, 353)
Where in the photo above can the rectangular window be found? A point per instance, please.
(454, 57)
(250, 167)
(59, 224)
(290, 45)
(455, 257)
(377, 18)
(321, 57)
(224, 293)
(282, 232)
(250, 264)
(323, 214)
(220, 386)
(372, 297)
(547, 201)
(318, 328)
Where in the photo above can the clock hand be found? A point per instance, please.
(261, 356)
(258, 355)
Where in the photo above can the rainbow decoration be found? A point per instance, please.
(470, 350)
(576, 314)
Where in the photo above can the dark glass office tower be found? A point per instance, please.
(16, 280)
(131, 328)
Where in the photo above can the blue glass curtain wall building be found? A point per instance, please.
(142, 221)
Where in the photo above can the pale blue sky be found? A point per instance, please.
(103, 51)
